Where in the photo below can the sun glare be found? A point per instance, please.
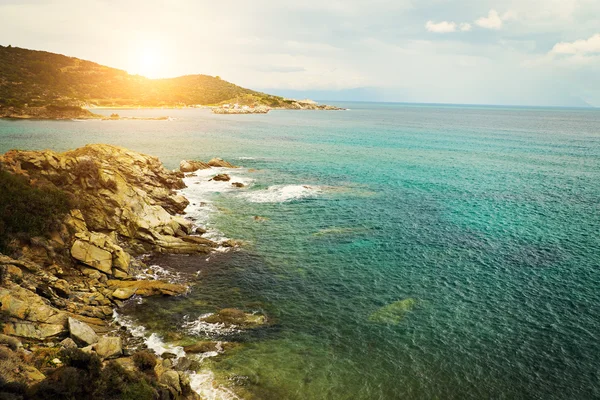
(148, 60)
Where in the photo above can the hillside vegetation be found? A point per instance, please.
(38, 78)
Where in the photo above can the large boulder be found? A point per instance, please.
(124, 293)
(92, 255)
(29, 315)
(219, 162)
(82, 332)
(109, 347)
(221, 178)
(101, 252)
(33, 330)
(192, 166)
(171, 379)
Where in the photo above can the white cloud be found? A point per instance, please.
(441, 27)
(465, 27)
(492, 21)
(584, 46)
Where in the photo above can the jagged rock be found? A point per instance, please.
(192, 166)
(109, 347)
(82, 332)
(146, 288)
(68, 343)
(121, 191)
(75, 221)
(238, 184)
(199, 240)
(91, 273)
(23, 304)
(101, 252)
(219, 162)
(221, 178)
(124, 293)
(33, 330)
(171, 379)
(92, 255)
(61, 287)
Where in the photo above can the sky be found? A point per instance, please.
(521, 52)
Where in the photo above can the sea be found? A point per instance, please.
(398, 251)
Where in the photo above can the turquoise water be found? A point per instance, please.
(488, 217)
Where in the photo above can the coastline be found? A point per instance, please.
(123, 277)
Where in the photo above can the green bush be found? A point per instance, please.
(82, 377)
(26, 211)
(144, 360)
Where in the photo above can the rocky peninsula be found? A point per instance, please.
(72, 228)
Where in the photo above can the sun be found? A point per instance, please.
(148, 59)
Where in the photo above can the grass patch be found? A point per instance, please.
(27, 211)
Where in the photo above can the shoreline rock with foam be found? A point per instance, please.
(124, 204)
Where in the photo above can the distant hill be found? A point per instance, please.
(38, 78)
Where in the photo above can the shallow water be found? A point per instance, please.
(487, 217)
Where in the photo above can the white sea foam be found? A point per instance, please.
(199, 192)
(281, 193)
(203, 328)
(202, 382)
(156, 272)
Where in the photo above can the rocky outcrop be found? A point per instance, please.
(61, 289)
(100, 251)
(219, 162)
(119, 192)
(47, 112)
(192, 166)
(146, 288)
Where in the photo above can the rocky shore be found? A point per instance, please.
(58, 113)
(59, 287)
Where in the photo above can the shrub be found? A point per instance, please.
(144, 360)
(82, 377)
(86, 169)
(27, 211)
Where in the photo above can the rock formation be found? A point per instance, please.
(62, 287)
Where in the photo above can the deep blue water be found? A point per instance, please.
(487, 217)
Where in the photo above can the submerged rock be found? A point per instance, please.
(238, 184)
(393, 313)
(203, 346)
(233, 316)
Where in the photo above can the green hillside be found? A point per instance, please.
(39, 78)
